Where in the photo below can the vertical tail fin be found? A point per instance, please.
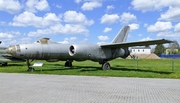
(122, 35)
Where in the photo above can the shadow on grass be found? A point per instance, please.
(140, 70)
(10, 65)
(80, 68)
(96, 68)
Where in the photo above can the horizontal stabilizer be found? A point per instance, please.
(139, 43)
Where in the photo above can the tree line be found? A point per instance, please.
(173, 48)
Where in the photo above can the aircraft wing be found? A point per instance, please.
(139, 43)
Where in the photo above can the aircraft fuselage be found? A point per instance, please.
(56, 52)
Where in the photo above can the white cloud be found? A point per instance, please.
(40, 32)
(14, 32)
(145, 25)
(10, 6)
(10, 42)
(59, 29)
(160, 26)
(177, 27)
(6, 36)
(34, 5)
(26, 40)
(169, 34)
(26, 19)
(77, 1)
(103, 38)
(73, 38)
(68, 40)
(134, 26)
(59, 6)
(102, 42)
(109, 19)
(146, 39)
(151, 5)
(127, 17)
(30, 19)
(77, 18)
(65, 41)
(3, 23)
(107, 30)
(91, 5)
(144, 5)
(69, 29)
(164, 34)
(139, 35)
(42, 5)
(173, 14)
(110, 7)
(84, 40)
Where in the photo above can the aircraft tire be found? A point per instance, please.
(106, 66)
(68, 64)
(31, 69)
(4, 64)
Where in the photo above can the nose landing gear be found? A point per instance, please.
(31, 69)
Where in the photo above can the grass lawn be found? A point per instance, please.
(144, 68)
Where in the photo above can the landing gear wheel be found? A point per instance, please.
(31, 69)
(68, 64)
(106, 66)
(4, 64)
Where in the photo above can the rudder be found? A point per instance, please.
(122, 35)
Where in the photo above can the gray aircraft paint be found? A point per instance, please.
(5, 57)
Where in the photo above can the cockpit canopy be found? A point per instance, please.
(45, 41)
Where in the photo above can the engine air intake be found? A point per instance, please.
(71, 50)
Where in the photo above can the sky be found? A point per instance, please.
(87, 21)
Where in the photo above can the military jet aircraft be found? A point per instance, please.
(5, 57)
(45, 49)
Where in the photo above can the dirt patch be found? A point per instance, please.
(146, 56)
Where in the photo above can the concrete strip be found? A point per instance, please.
(30, 88)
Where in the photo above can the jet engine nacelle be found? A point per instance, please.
(124, 52)
(78, 51)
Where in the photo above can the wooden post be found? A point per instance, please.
(172, 65)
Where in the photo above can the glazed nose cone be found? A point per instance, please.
(11, 50)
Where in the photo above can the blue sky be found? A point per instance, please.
(87, 21)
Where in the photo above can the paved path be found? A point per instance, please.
(30, 88)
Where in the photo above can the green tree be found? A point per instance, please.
(159, 49)
(173, 47)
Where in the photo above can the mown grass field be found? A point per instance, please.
(143, 68)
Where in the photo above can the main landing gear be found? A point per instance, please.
(68, 63)
(106, 66)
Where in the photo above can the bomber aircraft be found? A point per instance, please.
(45, 49)
(5, 57)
